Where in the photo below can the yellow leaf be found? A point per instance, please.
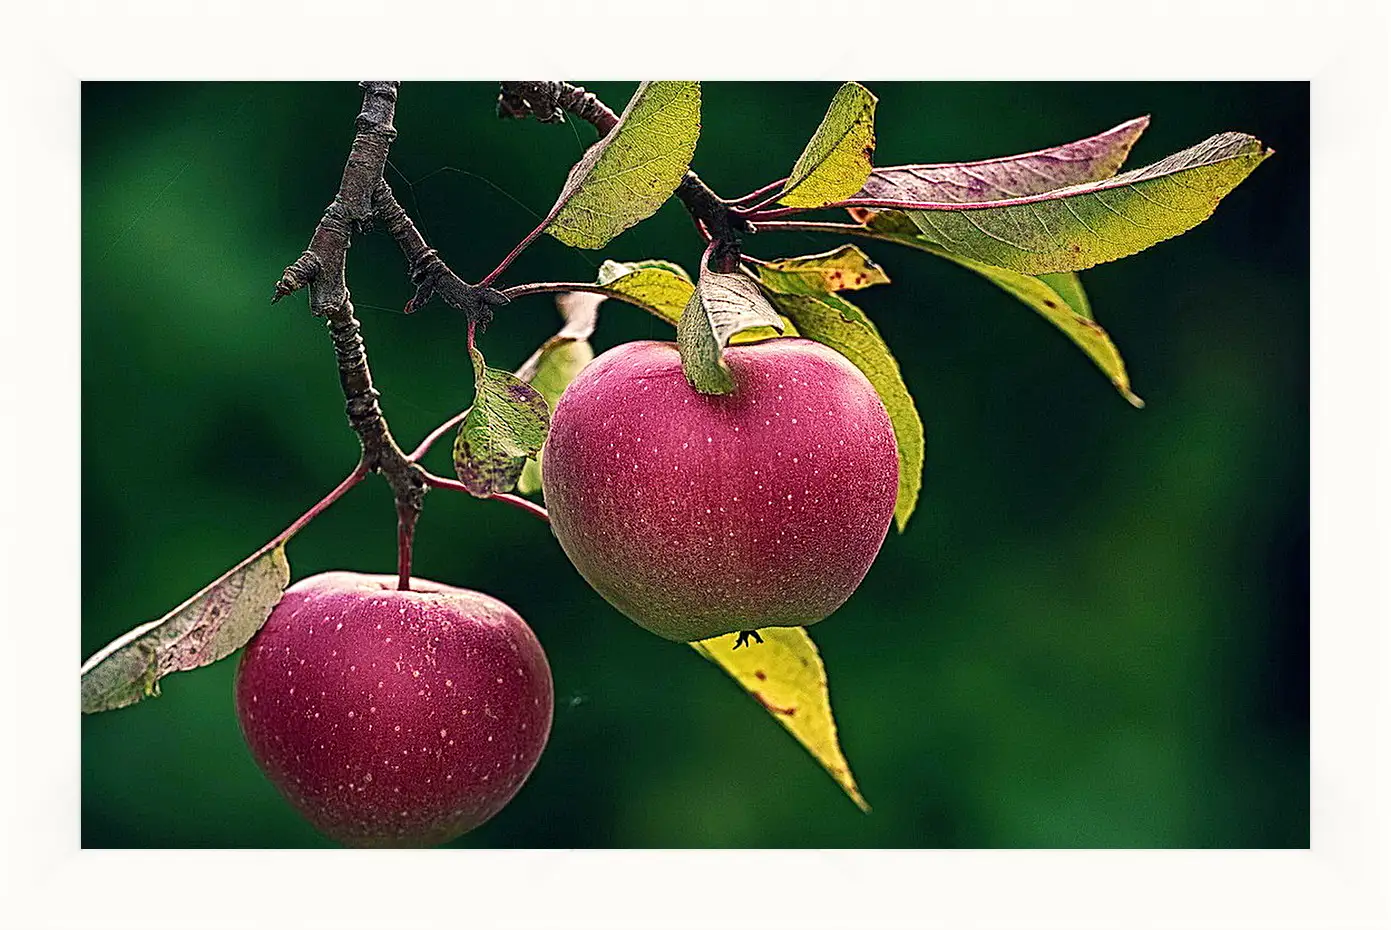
(625, 176)
(836, 162)
(784, 673)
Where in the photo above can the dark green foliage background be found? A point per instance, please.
(1094, 632)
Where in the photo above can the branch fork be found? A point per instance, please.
(365, 197)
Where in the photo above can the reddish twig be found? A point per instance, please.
(742, 203)
(521, 503)
(354, 477)
(518, 249)
(435, 435)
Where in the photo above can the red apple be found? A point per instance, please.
(697, 515)
(394, 718)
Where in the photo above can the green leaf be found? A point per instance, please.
(843, 269)
(764, 333)
(1058, 298)
(211, 625)
(1056, 307)
(1076, 227)
(834, 321)
(611, 270)
(836, 162)
(785, 675)
(657, 286)
(552, 367)
(506, 425)
(580, 313)
(1068, 286)
(1090, 159)
(625, 176)
(722, 305)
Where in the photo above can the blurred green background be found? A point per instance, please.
(1093, 633)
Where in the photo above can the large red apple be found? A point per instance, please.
(394, 718)
(697, 514)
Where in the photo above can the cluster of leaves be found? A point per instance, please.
(1026, 223)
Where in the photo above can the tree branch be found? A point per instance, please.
(322, 267)
(549, 101)
(430, 275)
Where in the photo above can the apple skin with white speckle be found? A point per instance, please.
(698, 515)
(394, 718)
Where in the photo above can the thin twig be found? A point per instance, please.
(741, 203)
(435, 435)
(814, 226)
(355, 476)
(849, 229)
(518, 249)
(521, 503)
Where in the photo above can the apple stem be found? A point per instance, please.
(406, 517)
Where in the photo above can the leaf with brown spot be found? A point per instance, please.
(786, 676)
(505, 426)
(846, 268)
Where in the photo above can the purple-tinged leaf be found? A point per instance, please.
(211, 625)
(1076, 227)
(1092, 159)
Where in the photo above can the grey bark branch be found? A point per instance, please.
(322, 268)
(430, 275)
(549, 101)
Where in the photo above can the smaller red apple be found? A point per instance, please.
(698, 515)
(394, 718)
